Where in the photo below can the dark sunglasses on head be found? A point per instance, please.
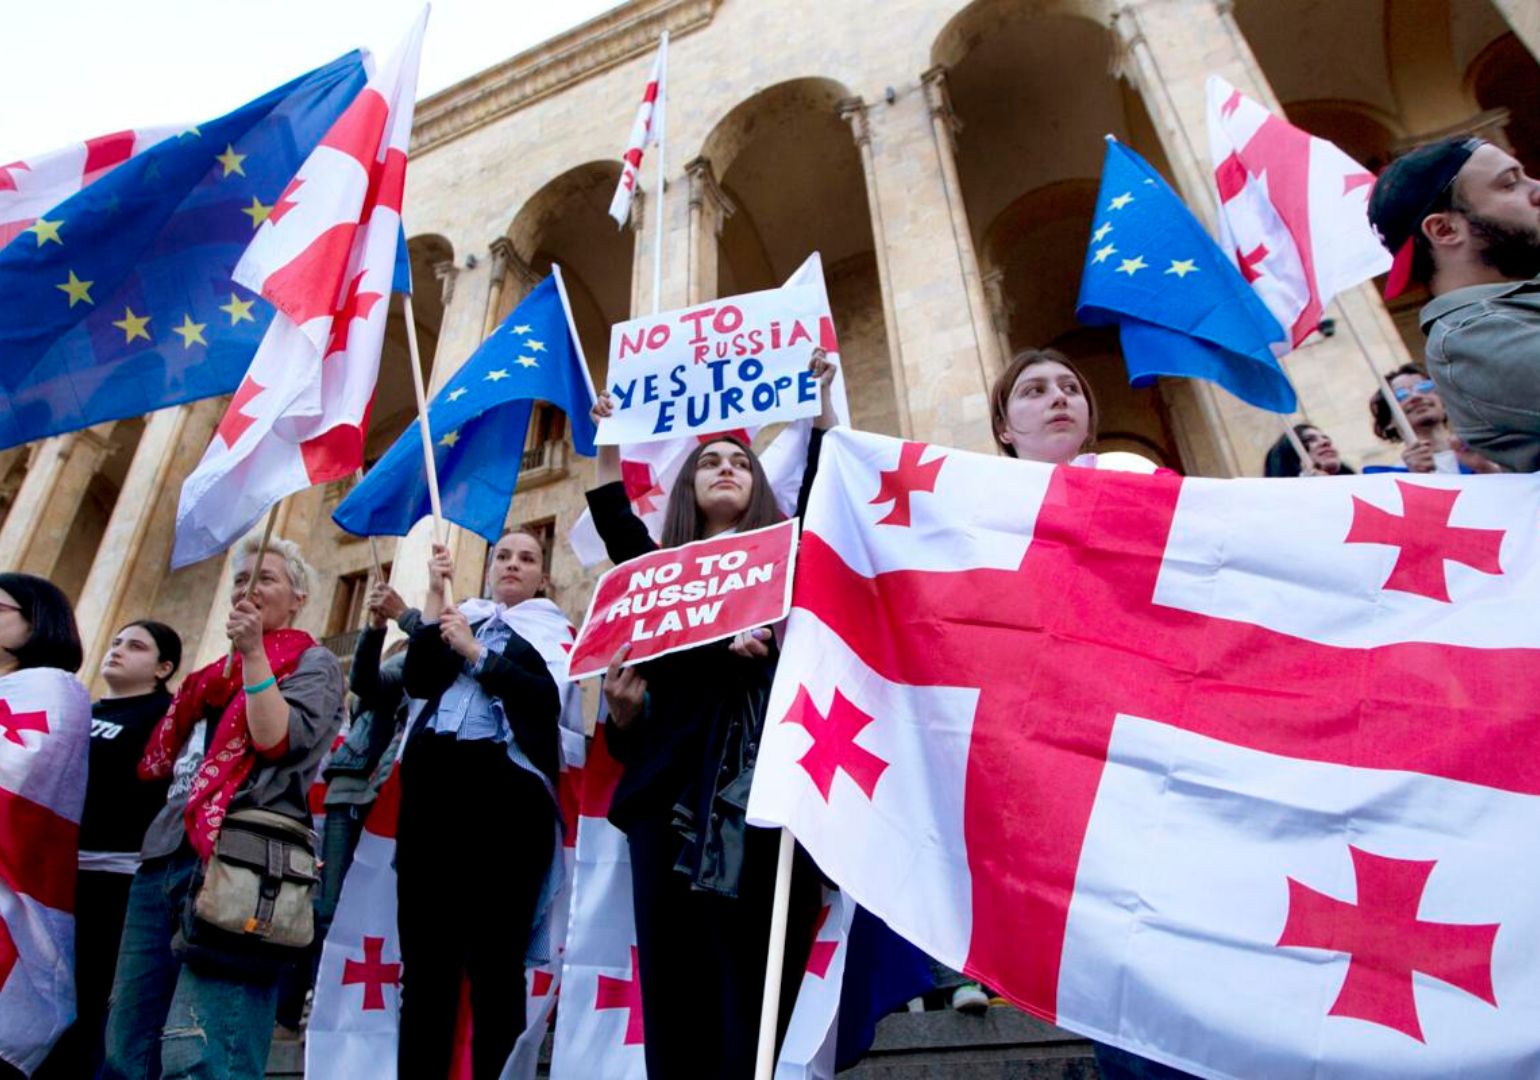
(1424, 387)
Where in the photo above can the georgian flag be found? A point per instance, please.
(1292, 210)
(649, 469)
(1233, 774)
(326, 258)
(643, 134)
(45, 727)
(599, 1030)
(29, 189)
(355, 1019)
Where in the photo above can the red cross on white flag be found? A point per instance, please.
(325, 258)
(45, 724)
(1219, 771)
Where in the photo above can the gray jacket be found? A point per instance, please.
(1484, 355)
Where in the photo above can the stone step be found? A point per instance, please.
(1001, 1044)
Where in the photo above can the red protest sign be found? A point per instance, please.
(677, 598)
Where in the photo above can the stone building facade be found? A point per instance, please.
(943, 155)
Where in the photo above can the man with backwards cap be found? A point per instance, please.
(1461, 216)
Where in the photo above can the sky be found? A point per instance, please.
(79, 68)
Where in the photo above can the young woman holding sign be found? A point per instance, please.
(686, 727)
(1043, 410)
(477, 825)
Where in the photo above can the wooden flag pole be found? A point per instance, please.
(770, 1009)
(374, 548)
(1297, 443)
(440, 534)
(662, 130)
(1397, 414)
(256, 572)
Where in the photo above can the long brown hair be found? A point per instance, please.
(682, 521)
(1000, 394)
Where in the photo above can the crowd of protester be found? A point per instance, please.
(182, 789)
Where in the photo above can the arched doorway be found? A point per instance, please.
(1031, 87)
(789, 182)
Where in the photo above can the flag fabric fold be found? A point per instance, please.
(326, 257)
(479, 422)
(1180, 307)
(116, 291)
(45, 725)
(1152, 756)
(1293, 210)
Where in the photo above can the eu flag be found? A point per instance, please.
(1181, 307)
(479, 421)
(128, 306)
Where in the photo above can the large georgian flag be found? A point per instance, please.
(45, 727)
(327, 259)
(1236, 774)
(1293, 210)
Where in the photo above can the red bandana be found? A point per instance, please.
(230, 756)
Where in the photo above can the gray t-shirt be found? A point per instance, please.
(1484, 355)
(315, 696)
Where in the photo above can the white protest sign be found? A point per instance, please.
(739, 362)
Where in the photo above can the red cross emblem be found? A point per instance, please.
(373, 972)
(540, 984)
(14, 723)
(1387, 942)
(834, 746)
(624, 994)
(902, 481)
(355, 305)
(641, 487)
(1033, 642)
(1426, 539)
(821, 955)
(236, 420)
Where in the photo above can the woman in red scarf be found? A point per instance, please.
(252, 739)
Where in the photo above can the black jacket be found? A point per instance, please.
(690, 754)
(518, 677)
(378, 688)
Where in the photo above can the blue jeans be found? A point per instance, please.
(214, 1026)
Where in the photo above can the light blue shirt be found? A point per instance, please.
(466, 710)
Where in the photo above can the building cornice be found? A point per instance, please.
(580, 53)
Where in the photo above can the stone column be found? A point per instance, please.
(999, 311)
(1524, 17)
(853, 112)
(131, 561)
(944, 126)
(709, 210)
(36, 528)
(1169, 48)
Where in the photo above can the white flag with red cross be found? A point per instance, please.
(1293, 210)
(643, 134)
(599, 1025)
(326, 258)
(45, 728)
(648, 470)
(32, 187)
(1234, 774)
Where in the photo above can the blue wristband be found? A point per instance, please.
(263, 685)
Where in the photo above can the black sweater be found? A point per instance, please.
(120, 806)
